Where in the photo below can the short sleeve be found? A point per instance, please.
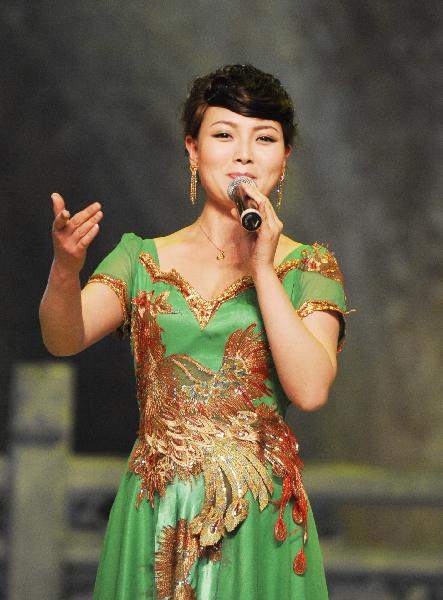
(116, 271)
(318, 285)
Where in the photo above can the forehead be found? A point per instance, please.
(215, 114)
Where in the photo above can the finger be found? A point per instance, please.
(60, 221)
(258, 199)
(234, 213)
(83, 229)
(265, 220)
(262, 209)
(85, 214)
(274, 222)
(272, 217)
(89, 236)
(253, 193)
(60, 213)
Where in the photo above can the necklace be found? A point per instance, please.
(221, 254)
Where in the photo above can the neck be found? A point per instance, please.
(219, 224)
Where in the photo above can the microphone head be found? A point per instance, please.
(232, 187)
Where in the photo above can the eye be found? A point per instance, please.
(266, 138)
(222, 135)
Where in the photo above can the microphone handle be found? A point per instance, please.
(250, 218)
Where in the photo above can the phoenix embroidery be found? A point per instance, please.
(194, 420)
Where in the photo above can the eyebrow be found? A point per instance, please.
(236, 125)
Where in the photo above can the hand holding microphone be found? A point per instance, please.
(250, 218)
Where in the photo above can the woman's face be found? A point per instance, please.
(229, 145)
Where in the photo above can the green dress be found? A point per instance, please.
(212, 505)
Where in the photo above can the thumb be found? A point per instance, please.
(58, 204)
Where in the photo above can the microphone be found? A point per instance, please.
(250, 218)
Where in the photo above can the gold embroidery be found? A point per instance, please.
(214, 552)
(198, 421)
(119, 287)
(321, 260)
(318, 260)
(310, 306)
(202, 308)
(179, 549)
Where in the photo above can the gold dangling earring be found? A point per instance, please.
(193, 184)
(280, 189)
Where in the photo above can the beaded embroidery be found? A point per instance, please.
(202, 308)
(319, 260)
(311, 306)
(178, 550)
(118, 286)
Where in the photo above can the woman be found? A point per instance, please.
(227, 328)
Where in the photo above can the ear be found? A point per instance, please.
(191, 145)
(288, 151)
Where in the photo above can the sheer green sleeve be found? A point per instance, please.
(318, 285)
(116, 271)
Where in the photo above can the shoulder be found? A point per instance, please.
(133, 244)
(173, 239)
(130, 240)
(286, 246)
(174, 250)
(319, 258)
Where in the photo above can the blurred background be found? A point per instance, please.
(90, 96)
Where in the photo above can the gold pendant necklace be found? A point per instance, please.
(221, 254)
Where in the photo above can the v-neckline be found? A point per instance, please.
(235, 283)
(204, 308)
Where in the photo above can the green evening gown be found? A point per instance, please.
(212, 505)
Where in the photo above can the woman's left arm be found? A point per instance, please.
(304, 350)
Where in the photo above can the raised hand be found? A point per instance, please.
(263, 242)
(72, 236)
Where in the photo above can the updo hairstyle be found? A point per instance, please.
(244, 90)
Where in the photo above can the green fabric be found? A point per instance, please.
(253, 565)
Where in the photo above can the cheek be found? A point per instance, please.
(209, 164)
(211, 154)
(212, 161)
(270, 174)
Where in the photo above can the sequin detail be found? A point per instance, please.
(311, 306)
(119, 287)
(178, 551)
(202, 308)
(319, 260)
(196, 421)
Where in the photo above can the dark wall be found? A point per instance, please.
(89, 98)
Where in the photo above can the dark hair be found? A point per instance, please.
(244, 90)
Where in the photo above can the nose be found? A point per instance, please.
(243, 153)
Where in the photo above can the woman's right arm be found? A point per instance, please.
(72, 319)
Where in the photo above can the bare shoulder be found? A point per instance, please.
(173, 239)
(285, 246)
(174, 250)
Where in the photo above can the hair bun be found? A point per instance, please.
(220, 87)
